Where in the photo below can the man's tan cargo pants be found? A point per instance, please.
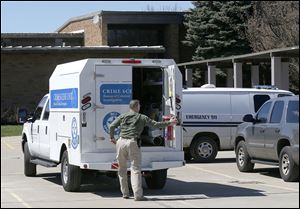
(127, 149)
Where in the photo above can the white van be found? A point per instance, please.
(71, 124)
(211, 115)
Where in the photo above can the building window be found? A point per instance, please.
(135, 35)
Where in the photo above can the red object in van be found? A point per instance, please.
(170, 128)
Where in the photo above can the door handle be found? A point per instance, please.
(99, 138)
(38, 129)
(262, 130)
(98, 107)
(277, 130)
(46, 130)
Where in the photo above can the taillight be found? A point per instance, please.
(131, 61)
(114, 166)
(86, 100)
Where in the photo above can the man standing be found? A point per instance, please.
(132, 124)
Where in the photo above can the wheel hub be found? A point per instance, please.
(241, 156)
(205, 149)
(285, 164)
(65, 171)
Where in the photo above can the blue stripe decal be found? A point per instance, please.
(211, 124)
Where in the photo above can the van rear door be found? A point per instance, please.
(113, 89)
(173, 98)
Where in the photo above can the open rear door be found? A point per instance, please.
(113, 94)
(173, 102)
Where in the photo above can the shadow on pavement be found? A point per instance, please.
(217, 160)
(174, 189)
(272, 172)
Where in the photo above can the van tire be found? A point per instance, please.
(243, 160)
(289, 170)
(29, 168)
(204, 149)
(70, 174)
(157, 179)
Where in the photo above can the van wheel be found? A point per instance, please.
(70, 174)
(157, 179)
(243, 159)
(289, 171)
(29, 168)
(204, 149)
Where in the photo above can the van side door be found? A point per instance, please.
(44, 133)
(240, 106)
(173, 102)
(113, 95)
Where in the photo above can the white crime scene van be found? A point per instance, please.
(210, 117)
(70, 125)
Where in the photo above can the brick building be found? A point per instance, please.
(122, 28)
(28, 59)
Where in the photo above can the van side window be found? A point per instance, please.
(46, 113)
(39, 109)
(292, 115)
(277, 112)
(262, 115)
(259, 100)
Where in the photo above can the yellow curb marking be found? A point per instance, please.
(8, 145)
(20, 200)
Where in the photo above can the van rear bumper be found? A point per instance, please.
(113, 166)
(152, 159)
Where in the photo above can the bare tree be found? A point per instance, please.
(275, 24)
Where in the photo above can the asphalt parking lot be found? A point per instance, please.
(217, 184)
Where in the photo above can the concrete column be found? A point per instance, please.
(104, 31)
(285, 82)
(238, 74)
(229, 77)
(276, 71)
(254, 75)
(189, 77)
(211, 69)
(206, 76)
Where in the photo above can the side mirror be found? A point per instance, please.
(30, 118)
(248, 118)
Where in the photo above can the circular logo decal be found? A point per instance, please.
(74, 133)
(108, 119)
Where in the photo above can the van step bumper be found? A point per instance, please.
(113, 166)
(45, 163)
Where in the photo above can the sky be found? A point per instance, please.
(48, 16)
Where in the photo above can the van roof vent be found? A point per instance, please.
(208, 86)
